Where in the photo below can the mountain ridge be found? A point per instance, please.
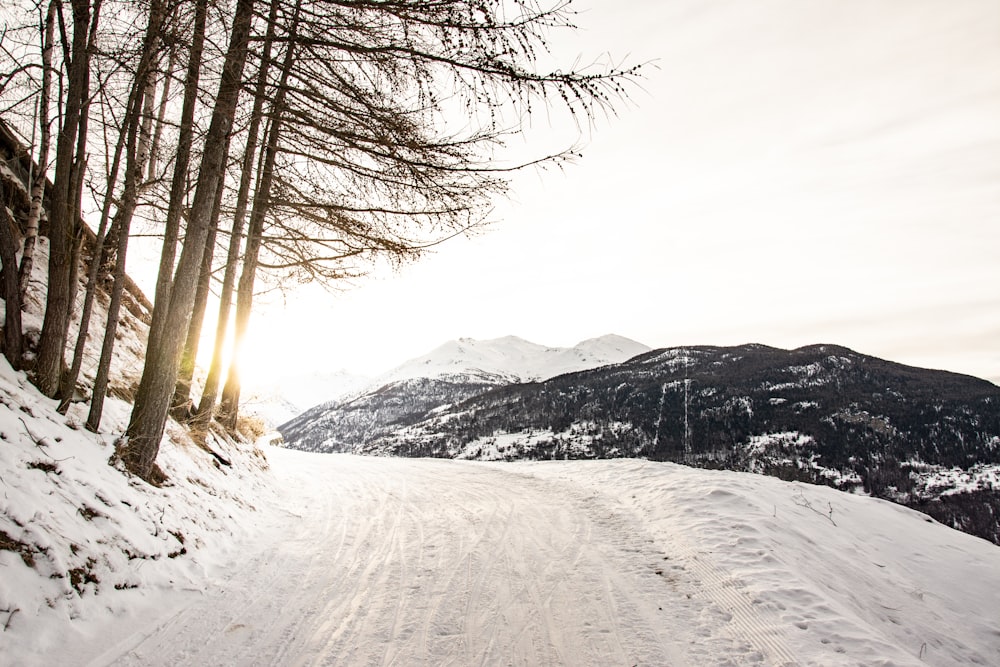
(513, 356)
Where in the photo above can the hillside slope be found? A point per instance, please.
(81, 541)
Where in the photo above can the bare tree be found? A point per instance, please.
(179, 181)
(357, 119)
(139, 448)
(94, 273)
(41, 175)
(210, 392)
(181, 403)
(66, 382)
(63, 208)
(244, 293)
(134, 167)
(69, 383)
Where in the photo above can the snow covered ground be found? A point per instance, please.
(316, 559)
(86, 551)
(585, 563)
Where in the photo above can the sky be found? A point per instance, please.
(790, 172)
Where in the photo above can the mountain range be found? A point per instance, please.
(821, 414)
(452, 372)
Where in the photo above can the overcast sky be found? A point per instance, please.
(794, 172)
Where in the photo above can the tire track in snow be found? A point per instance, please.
(403, 562)
(370, 564)
(761, 629)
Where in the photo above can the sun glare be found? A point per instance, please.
(258, 363)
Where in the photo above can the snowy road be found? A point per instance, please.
(375, 561)
(390, 562)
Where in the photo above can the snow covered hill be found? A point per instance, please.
(83, 545)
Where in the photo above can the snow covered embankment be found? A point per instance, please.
(82, 542)
(810, 575)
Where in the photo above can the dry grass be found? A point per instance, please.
(124, 392)
(250, 428)
(24, 550)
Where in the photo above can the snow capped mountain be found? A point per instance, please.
(515, 358)
(465, 361)
(611, 347)
(449, 374)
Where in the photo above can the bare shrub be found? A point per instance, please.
(250, 427)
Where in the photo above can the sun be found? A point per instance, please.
(258, 362)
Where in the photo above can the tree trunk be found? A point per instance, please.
(182, 391)
(77, 249)
(79, 170)
(69, 384)
(57, 305)
(9, 237)
(159, 376)
(133, 172)
(179, 182)
(38, 185)
(67, 381)
(229, 409)
(211, 391)
(161, 114)
(114, 311)
(146, 128)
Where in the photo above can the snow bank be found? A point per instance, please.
(81, 541)
(813, 575)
